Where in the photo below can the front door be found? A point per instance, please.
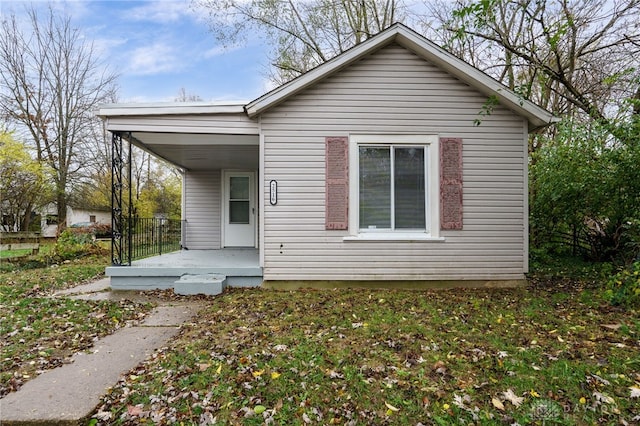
(239, 209)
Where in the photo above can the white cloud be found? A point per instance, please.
(161, 11)
(105, 46)
(153, 59)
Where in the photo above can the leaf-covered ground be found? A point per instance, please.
(552, 353)
(39, 332)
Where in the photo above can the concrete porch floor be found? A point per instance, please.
(241, 266)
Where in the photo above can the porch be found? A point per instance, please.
(216, 149)
(240, 266)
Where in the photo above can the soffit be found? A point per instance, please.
(200, 152)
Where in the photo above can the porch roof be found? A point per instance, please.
(191, 136)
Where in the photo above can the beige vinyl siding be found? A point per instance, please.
(395, 92)
(202, 209)
(238, 124)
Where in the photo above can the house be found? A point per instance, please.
(380, 167)
(76, 214)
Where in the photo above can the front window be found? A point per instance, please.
(394, 181)
(392, 187)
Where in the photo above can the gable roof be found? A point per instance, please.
(426, 49)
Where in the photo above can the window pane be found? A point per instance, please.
(238, 212)
(375, 187)
(239, 188)
(409, 186)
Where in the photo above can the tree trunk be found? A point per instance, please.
(26, 219)
(61, 201)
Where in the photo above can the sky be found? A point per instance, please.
(159, 47)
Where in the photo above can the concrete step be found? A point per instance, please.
(208, 284)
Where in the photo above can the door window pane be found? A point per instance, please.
(375, 187)
(239, 199)
(239, 188)
(409, 182)
(238, 212)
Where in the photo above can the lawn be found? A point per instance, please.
(9, 254)
(552, 353)
(39, 332)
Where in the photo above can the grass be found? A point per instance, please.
(39, 332)
(553, 353)
(8, 254)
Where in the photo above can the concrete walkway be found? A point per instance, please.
(67, 395)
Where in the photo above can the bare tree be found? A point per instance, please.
(183, 96)
(51, 84)
(303, 34)
(571, 56)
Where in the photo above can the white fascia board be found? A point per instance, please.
(169, 108)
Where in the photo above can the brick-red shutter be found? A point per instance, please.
(337, 183)
(451, 183)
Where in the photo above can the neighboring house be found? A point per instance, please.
(75, 215)
(371, 167)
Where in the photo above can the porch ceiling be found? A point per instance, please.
(201, 151)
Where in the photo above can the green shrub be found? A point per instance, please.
(623, 289)
(548, 263)
(72, 244)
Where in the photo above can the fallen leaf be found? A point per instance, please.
(257, 373)
(259, 409)
(510, 396)
(334, 374)
(203, 367)
(497, 403)
(595, 379)
(534, 394)
(635, 391)
(275, 375)
(603, 398)
(391, 407)
(613, 327)
(134, 410)
(440, 367)
(459, 401)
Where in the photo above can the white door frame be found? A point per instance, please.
(253, 205)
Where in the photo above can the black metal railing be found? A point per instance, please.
(154, 236)
(135, 238)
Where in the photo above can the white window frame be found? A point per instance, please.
(432, 199)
